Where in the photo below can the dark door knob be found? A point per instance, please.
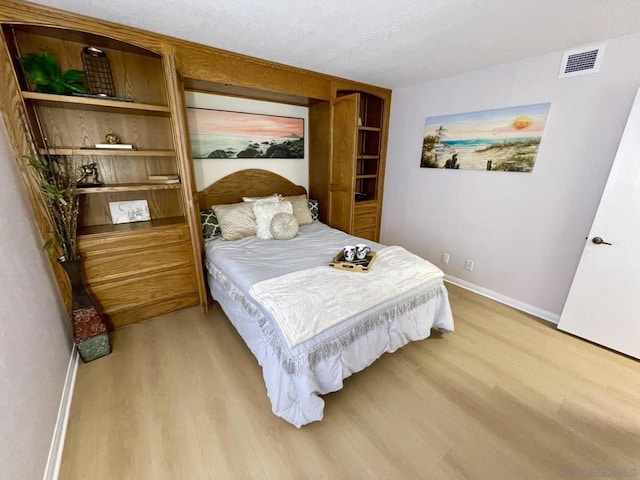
(599, 241)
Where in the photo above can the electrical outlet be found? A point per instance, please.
(445, 258)
(468, 265)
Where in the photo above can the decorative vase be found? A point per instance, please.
(90, 329)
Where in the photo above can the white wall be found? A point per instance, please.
(209, 170)
(35, 342)
(525, 231)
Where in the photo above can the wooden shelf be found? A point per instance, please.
(133, 270)
(69, 101)
(128, 227)
(367, 176)
(370, 129)
(368, 157)
(128, 187)
(106, 152)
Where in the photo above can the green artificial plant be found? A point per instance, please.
(45, 73)
(61, 198)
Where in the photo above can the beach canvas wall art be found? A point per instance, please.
(222, 134)
(501, 139)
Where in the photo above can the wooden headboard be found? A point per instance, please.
(252, 182)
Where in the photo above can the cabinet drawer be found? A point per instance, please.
(364, 221)
(366, 233)
(365, 208)
(132, 315)
(101, 244)
(365, 216)
(144, 290)
(110, 267)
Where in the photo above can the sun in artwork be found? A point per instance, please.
(521, 122)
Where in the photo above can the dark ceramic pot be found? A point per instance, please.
(90, 328)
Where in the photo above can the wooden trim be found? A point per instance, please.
(14, 11)
(15, 117)
(252, 182)
(198, 62)
(128, 187)
(204, 86)
(52, 100)
(320, 139)
(343, 163)
(185, 164)
(106, 152)
(382, 163)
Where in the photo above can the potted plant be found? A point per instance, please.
(59, 190)
(58, 186)
(47, 76)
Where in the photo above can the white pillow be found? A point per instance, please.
(284, 226)
(264, 213)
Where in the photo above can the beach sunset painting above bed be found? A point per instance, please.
(223, 134)
(501, 139)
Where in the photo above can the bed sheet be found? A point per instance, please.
(252, 260)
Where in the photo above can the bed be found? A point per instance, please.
(309, 325)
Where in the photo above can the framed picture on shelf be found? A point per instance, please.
(224, 134)
(129, 211)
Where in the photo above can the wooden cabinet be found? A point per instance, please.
(365, 220)
(134, 270)
(140, 273)
(356, 163)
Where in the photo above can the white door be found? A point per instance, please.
(604, 300)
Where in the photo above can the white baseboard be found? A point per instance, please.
(57, 443)
(498, 297)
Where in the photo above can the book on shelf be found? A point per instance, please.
(168, 180)
(163, 178)
(116, 146)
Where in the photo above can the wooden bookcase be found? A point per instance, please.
(356, 165)
(133, 270)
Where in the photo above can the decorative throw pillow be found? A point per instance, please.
(284, 226)
(264, 213)
(314, 209)
(236, 220)
(300, 209)
(276, 197)
(210, 225)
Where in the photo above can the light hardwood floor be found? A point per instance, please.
(505, 397)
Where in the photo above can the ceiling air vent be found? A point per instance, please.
(581, 61)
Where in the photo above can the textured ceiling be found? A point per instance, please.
(382, 42)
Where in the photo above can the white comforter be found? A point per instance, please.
(297, 374)
(308, 302)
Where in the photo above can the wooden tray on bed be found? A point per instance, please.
(355, 266)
